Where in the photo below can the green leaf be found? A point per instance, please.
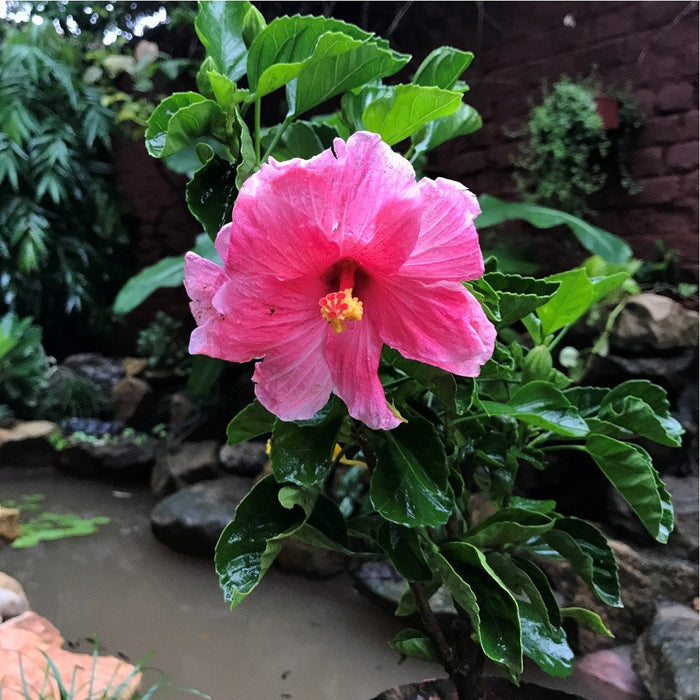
(303, 455)
(545, 645)
(442, 67)
(588, 618)
(181, 119)
(224, 89)
(588, 552)
(597, 241)
(407, 108)
(409, 484)
(538, 403)
(414, 644)
(518, 296)
(211, 193)
(251, 541)
(629, 469)
(569, 302)
(491, 608)
(325, 527)
(168, 272)
(220, 26)
(508, 526)
(465, 120)
(640, 406)
(253, 421)
(402, 546)
(205, 372)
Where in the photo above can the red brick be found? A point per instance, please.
(659, 190)
(682, 156)
(647, 161)
(675, 97)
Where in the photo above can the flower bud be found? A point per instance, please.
(537, 364)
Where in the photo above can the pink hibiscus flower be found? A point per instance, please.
(326, 260)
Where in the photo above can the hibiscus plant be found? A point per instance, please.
(383, 338)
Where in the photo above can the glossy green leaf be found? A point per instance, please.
(540, 404)
(597, 241)
(402, 546)
(225, 91)
(408, 108)
(518, 296)
(179, 120)
(588, 618)
(301, 139)
(541, 582)
(629, 469)
(409, 483)
(491, 608)
(442, 67)
(545, 645)
(211, 194)
(508, 526)
(325, 526)
(518, 581)
(642, 407)
(168, 272)
(570, 301)
(587, 399)
(534, 504)
(303, 455)
(220, 26)
(414, 644)
(587, 550)
(251, 541)
(253, 421)
(465, 120)
(205, 372)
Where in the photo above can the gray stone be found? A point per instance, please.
(246, 459)
(647, 576)
(609, 673)
(184, 463)
(191, 520)
(104, 371)
(109, 458)
(651, 322)
(315, 562)
(666, 655)
(13, 600)
(27, 444)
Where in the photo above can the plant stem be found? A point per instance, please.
(464, 661)
(278, 135)
(257, 131)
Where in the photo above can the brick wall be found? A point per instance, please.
(650, 47)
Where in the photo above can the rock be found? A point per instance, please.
(185, 463)
(666, 655)
(13, 600)
(609, 674)
(133, 366)
(246, 459)
(9, 525)
(116, 458)
(683, 541)
(104, 371)
(26, 642)
(191, 520)
(493, 689)
(315, 562)
(647, 576)
(27, 444)
(654, 322)
(130, 398)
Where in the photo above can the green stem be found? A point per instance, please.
(559, 448)
(278, 135)
(561, 334)
(465, 419)
(257, 131)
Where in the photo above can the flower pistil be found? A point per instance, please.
(338, 307)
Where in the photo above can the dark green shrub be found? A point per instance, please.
(164, 344)
(61, 233)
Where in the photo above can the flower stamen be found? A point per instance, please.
(338, 307)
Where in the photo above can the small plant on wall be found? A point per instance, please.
(578, 139)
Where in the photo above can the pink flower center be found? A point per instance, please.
(339, 307)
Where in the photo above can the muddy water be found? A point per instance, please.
(292, 638)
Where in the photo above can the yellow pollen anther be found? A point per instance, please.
(338, 307)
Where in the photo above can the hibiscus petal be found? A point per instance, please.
(448, 246)
(353, 359)
(293, 380)
(440, 324)
(203, 278)
(359, 200)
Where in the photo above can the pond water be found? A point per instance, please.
(292, 638)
